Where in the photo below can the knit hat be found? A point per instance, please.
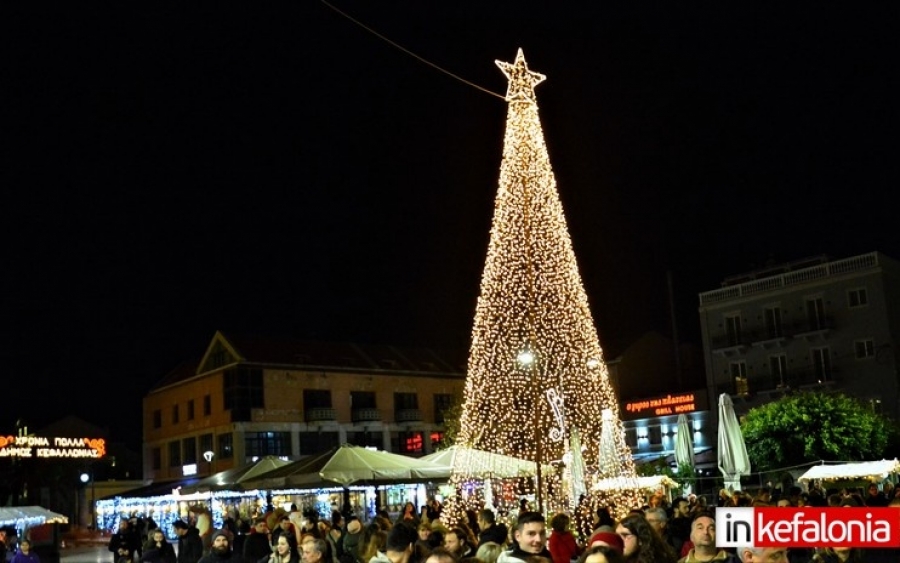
(218, 533)
(180, 525)
(612, 540)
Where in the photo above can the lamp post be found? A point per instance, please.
(526, 359)
(208, 455)
(85, 477)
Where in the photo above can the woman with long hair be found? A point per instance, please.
(643, 543)
(284, 553)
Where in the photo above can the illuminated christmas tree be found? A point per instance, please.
(536, 382)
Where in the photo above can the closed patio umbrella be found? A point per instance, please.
(684, 446)
(733, 458)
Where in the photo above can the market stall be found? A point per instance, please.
(874, 471)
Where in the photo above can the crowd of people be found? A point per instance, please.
(681, 531)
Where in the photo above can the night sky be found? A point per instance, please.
(276, 167)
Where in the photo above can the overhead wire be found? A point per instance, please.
(410, 53)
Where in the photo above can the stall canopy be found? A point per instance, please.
(349, 465)
(482, 463)
(234, 479)
(871, 470)
(21, 517)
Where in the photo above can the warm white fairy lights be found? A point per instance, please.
(533, 336)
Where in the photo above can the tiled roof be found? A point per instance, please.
(287, 351)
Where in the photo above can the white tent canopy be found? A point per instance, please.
(872, 470)
(22, 517)
(480, 463)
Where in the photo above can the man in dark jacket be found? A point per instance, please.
(490, 530)
(125, 542)
(256, 544)
(220, 550)
(190, 546)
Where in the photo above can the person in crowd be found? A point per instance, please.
(374, 551)
(609, 539)
(434, 509)
(401, 545)
(442, 555)
(334, 535)
(125, 542)
(409, 515)
(763, 554)
(25, 554)
(315, 551)
(602, 554)
(562, 545)
(529, 539)
(641, 542)
(603, 520)
(679, 526)
(203, 521)
(282, 553)
(158, 549)
(456, 541)
(838, 555)
(285, 527)
(4, 547)
(190, 546)
(257, 544)
(703, 536)
(424, 532)
(491, 531)
(875, 497)
(488, 552)
(660, 521)
(352, 540)
(220, 550)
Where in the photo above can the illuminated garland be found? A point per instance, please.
(534, 344)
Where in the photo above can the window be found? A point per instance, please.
(259, 444)
(442, 403)
(815, 313)
(864, 349)
(364, 439)
(226, 446)
(405, 401)
(157, 419)
(773, 322)
(189, 448)
(654, 435)
(156, 459)
(316, 399)
(243, 388)
(778, 369)
(174, 454)
(437, 440)
(190, 409)
(821, 360)
(631, 438)
(175, 415)
(362, 400)
(411, 443)
(318, 442)
(857, 298)
(733, 329)
(207, 405)
(739, 378)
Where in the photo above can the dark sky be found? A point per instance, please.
(177, 169)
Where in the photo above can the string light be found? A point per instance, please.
(536, 375)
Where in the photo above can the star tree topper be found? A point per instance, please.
(521, 80)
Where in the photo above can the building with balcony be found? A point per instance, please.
(812, 324)
(249, 397)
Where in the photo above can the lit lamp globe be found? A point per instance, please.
(85, 477)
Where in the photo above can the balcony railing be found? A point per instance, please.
(748, 337)
(366, 415)
(320, 414)
(408, 415)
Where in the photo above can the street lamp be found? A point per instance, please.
(85, 477)
(526, 359)
(208, 455)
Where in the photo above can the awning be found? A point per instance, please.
(872, 470)
(22, 517)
